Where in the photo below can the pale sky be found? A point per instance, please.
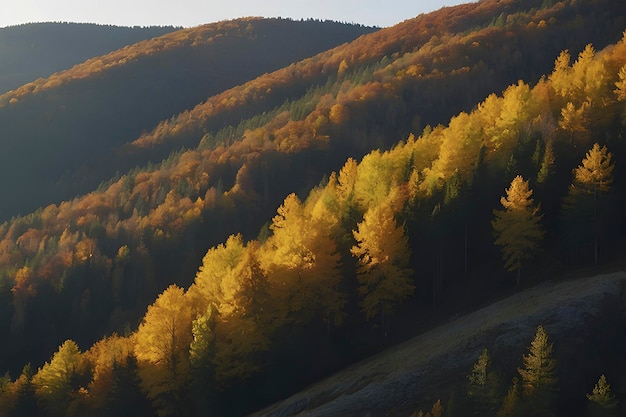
(196, 12)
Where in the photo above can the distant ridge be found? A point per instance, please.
(37, 50)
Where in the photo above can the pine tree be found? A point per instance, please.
(482, 387)
(511, 402)
(517, 228)
(539, 381)
(583, 202)
(383, 270)
(602, 401)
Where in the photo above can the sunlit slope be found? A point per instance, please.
(91, 265)
(36, 50)
(54, 127)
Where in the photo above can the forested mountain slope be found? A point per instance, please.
(38, 50)
(351, 267)
(54, 129)
(312, 287)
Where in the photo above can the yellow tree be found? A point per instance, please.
(55, 382)
(539, 380)
(592, 178)
(162, 349)
(383, 272)
(517, 227)
(302, 263)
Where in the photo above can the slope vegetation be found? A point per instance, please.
(406, 230)
(37, 50)
(54, 129)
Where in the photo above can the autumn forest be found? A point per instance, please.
(191, 231)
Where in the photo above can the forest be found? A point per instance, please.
(285, 227)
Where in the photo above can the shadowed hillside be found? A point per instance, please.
(38, 50)
(54, 127)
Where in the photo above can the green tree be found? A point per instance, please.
(482, 390)
(539, 380)
(584, 198)
(56, 381)
(383, 271)
(602, 402)
(517, 228)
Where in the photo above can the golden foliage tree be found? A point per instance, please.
(55, 383)
(539, 380)
(302, 264)
(583, 201)
(162, 349)
(383, 254)
(517, 228)
(602, 402)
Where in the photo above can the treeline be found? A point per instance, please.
(391, 229)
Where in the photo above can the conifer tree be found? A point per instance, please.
(582, 204)
(511, 402)
(383, 270)
(517, 228)
(539, 380)
(482, 387)
(602, 401)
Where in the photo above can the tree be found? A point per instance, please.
(511, 402)
(517, 228)
(539, 381)
(482, 389)
(162, 350)
(383, 271)
(582, 203)
(57, 379)
(602, 401)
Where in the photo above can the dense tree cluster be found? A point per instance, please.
(392, 232)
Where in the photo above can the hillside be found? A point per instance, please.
(435, 364)
(377, 223)
(63, 124)
(37, 50)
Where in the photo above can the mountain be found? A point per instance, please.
(379, 225)
(63, 124)
(37, 50)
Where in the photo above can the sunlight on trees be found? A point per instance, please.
(517, 228)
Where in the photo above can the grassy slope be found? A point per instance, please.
(416, 373)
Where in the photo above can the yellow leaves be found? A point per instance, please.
(383, 256)
(54, 380)
(620, 91)
(162, 345)
(596, 171)
(517, 228)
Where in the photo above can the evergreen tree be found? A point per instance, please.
(517, 228)
(582, 204)
(511, 403)
(383, 270)
(126, 398)
(602, 401)
(482, 390)
(26, 402)
(539, 381)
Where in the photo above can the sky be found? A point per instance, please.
(189, 13)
